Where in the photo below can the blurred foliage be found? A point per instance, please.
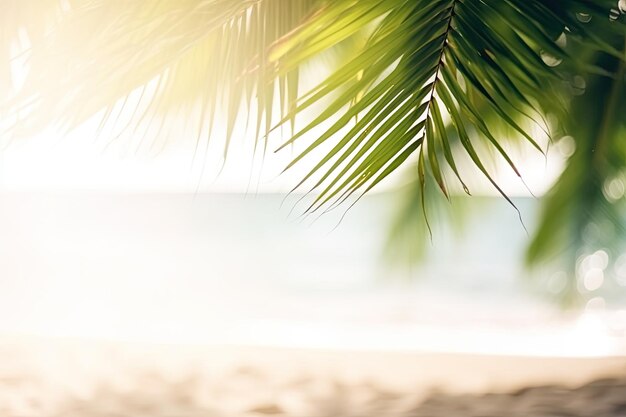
(430, 82)
(410, 235)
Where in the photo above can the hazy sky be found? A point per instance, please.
(79, 161)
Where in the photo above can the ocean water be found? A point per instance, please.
(237, 269)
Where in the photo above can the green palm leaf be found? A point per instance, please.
(584, 210)
(404, 83)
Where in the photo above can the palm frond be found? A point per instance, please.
(584, 210)
(434, 81)
(428, 64)
(166, 60)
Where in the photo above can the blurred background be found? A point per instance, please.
(129, 280)
(107, 243)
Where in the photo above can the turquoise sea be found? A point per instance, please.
(242, 269)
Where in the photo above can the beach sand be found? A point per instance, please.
(61, 378)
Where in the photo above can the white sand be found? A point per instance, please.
(46, 377)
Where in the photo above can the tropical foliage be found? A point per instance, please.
(429, 82)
